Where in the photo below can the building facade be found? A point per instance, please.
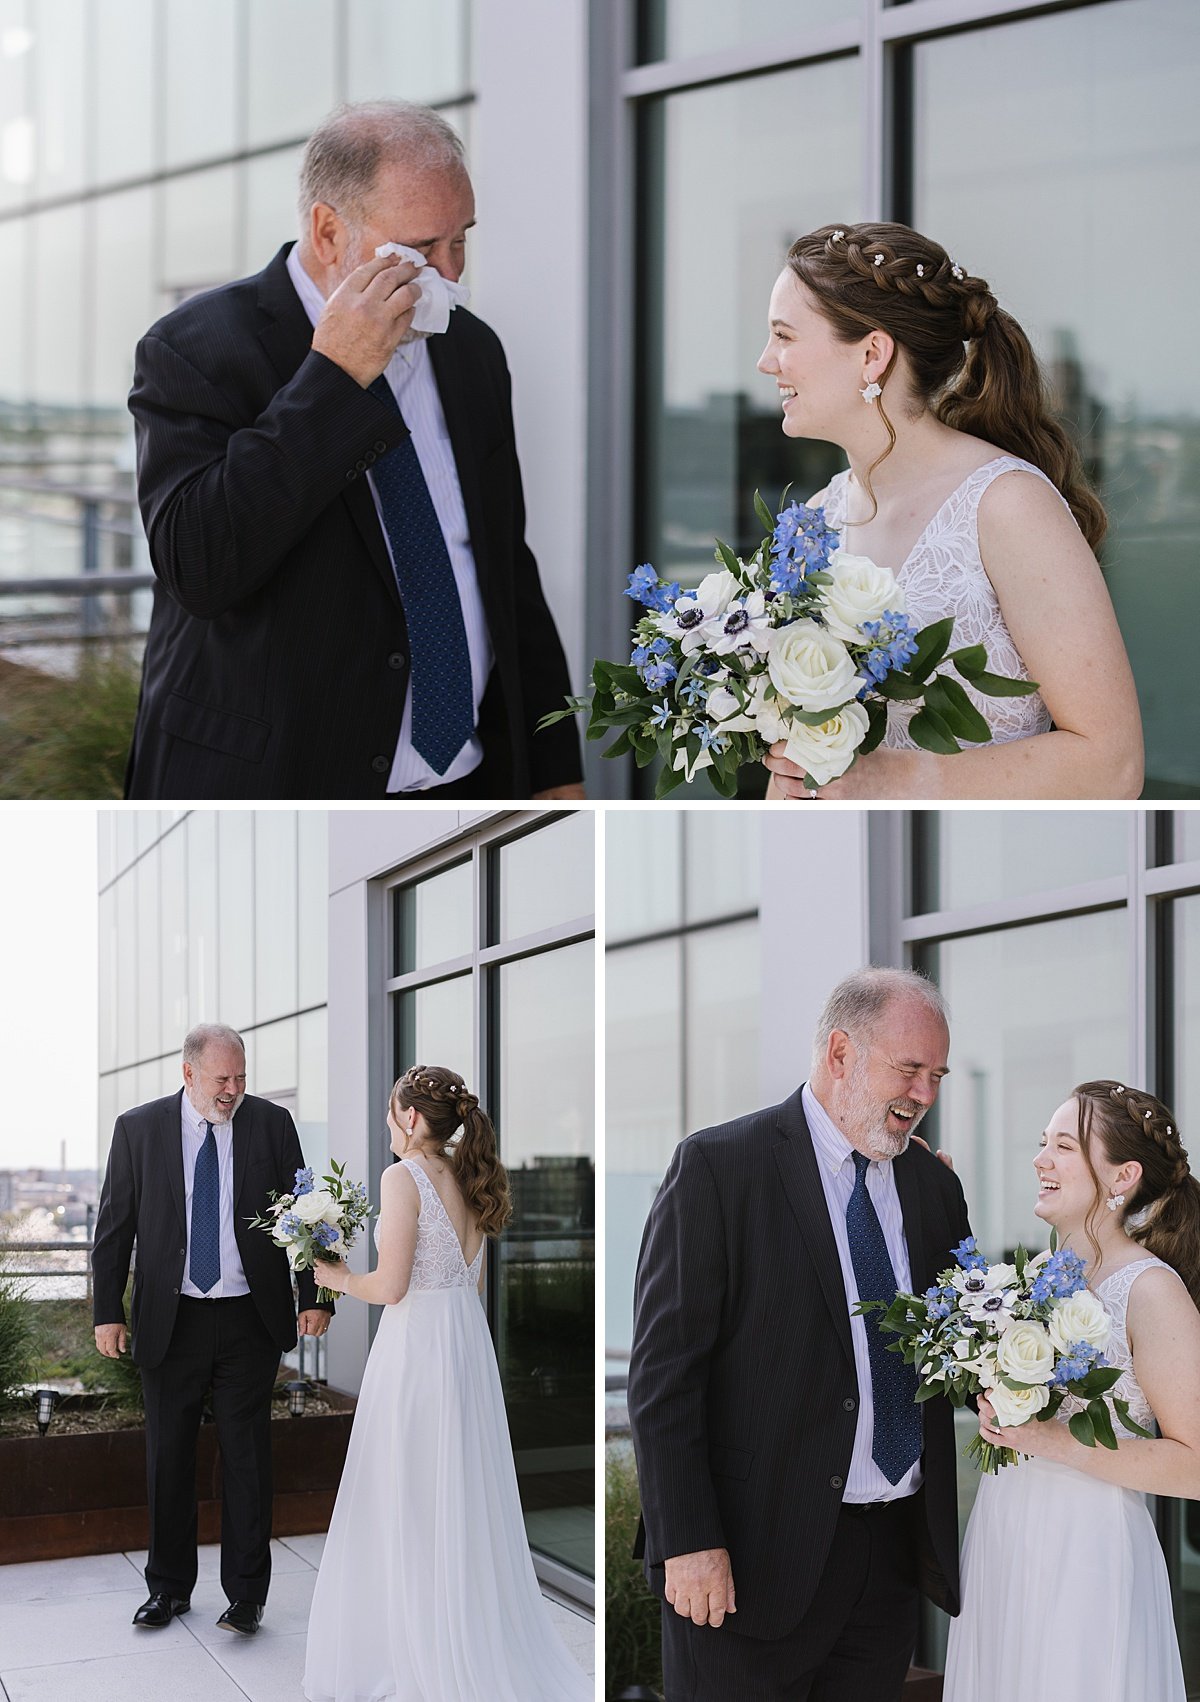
(1067, 943)
(635, 205)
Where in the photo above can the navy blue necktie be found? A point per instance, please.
(443, 705)
(896, 1440)
(204, 1261)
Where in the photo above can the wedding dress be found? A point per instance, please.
(1065, 1589)
(426, 1591)
(944, 575)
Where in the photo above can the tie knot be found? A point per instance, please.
(861, 1162)
(207, 1128)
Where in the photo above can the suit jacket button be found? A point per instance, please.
(370, 456)
(174, 1291)
(380, 764)
(836, 1482)
(396, 659)
(849, 1403)
(360, 466)
(381, 447)
(352, 474)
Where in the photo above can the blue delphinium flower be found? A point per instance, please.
(1061, 1275)
(801, 544)
(968, 1255)
(938, 1302)
(644, 588)
(894, 642)
(661, 714)
(305, 1183)
(1079, 1359)
(289, 1224)
(324, 1234)
(659, 673)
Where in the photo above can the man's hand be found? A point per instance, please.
(367, 316)
(111, 1340)
(941, 1151)
(573, 791)
(313, 1323)
(700, 1586)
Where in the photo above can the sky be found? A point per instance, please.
(48, 986)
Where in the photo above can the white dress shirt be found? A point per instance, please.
(835, 1162)
(232, 1280)
(410, 375)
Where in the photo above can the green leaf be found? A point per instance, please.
(998, 685)
(969, 661)
(927, 1392)
(764, 513)
(1081, 1429)
(668, 779)
(876, 728)
(932, 643)
(622, 745)
(948, 699)
(1097, 1382)
(899, 688)
(729, 559)
(1102, 1424)
(928, 730)
(575, 706)
(1122, 1411)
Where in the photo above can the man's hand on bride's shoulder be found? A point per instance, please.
(700, 1586)
(943, 1155)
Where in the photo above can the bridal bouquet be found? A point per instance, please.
(316, 1223)
(1026, 1335)
(804, 642)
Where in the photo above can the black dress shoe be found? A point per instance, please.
(159, 1610)
(245, 1617)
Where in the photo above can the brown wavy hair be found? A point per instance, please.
(1134, 1127)
(971, 362)
(441, 1097)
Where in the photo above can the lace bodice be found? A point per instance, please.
(1114, 1291)
(944, 575)
(438, 1261)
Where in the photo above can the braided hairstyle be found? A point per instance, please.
(440, 1096)
(1133, 1127)
(971, 363)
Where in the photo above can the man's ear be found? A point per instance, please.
(327, 234)
(839, 1054)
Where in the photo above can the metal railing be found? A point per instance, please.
(44, 1272)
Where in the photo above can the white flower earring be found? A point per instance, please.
(870, 391)
(1115, 1201)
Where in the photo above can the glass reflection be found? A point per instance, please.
(722, 989)
(124, 303)
(56, 317)
(293, 51)
(269, 205)
(545, 1306)
(275, 915)
(972, 856)
(1184, 1519)
(124, 91)
(235, 863)
(200, 73)
(433, 921)
(199, 233)
(721, 874)
(57, 54)
(406, 52)
(1058, 130)
(545, 879)
(642, 862)
(671, 29)
(434, 1026)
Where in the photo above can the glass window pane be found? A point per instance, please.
(406, 52)
(546, 1310)
(313, 890)
(672, 29)
(172, 860)
(17, 42)
(200, 118)
(275, 917)
(722, 992)
(149, 993)
(276, 1059)
(293, 52)
(58, 65)
(722, 862)
(58, 307)
(1058, 128)
(546, 878)
(1185, 1092)
(199, 232)
(109, 956)
(434, 1026)
(235, 898)
(269, 205)
(312, 1089)
(124, 88)
(643, 1106)
(643, 864)
(125, 302)
(433, 921)
(14, 323)
(1186, 835)
(970, 856)
(203, 935)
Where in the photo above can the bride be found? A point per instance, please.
(426, 1591)
(962, 483)
(1065, 1590)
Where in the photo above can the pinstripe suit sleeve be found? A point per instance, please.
(116, 1226)
(678, 1310)
(224, 500)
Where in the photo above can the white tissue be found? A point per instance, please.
(439, 296)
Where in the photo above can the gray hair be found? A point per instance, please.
(207, 1034)
(345, 151)
(857, 1003)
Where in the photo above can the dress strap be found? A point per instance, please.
(976, 483)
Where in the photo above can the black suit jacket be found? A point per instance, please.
(277, 657)
(742, 1389)
(143, 1199)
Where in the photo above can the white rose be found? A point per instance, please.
(1014, 1406)
(311, 1208)
(826, 751)
(1079, 1318)
(810, 668)
(1026, 1353)
(767, 719)
(860, 592)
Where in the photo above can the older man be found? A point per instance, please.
(213, 1309)
(795, 1497)
(346, 606)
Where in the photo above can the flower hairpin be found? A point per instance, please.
(879, 259)
(957, 272)
(838, 236)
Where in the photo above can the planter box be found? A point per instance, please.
(86, 1494)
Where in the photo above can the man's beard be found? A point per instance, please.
(214, 1113)
(864, 1119)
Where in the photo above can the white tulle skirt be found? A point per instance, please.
(1065, 1595)
(426, 1591)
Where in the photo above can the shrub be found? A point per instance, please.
(633, 1647)
(68, 738)
(18, 1340)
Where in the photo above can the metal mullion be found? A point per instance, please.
(1107, 894)
(920, 18)
(666, 76)
(675, 933)
(1173, 879)
(874, 71)
(1141, 950)
(534, 945)
(431, 975)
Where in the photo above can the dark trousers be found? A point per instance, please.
(854, 1644)
(222, 1346)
